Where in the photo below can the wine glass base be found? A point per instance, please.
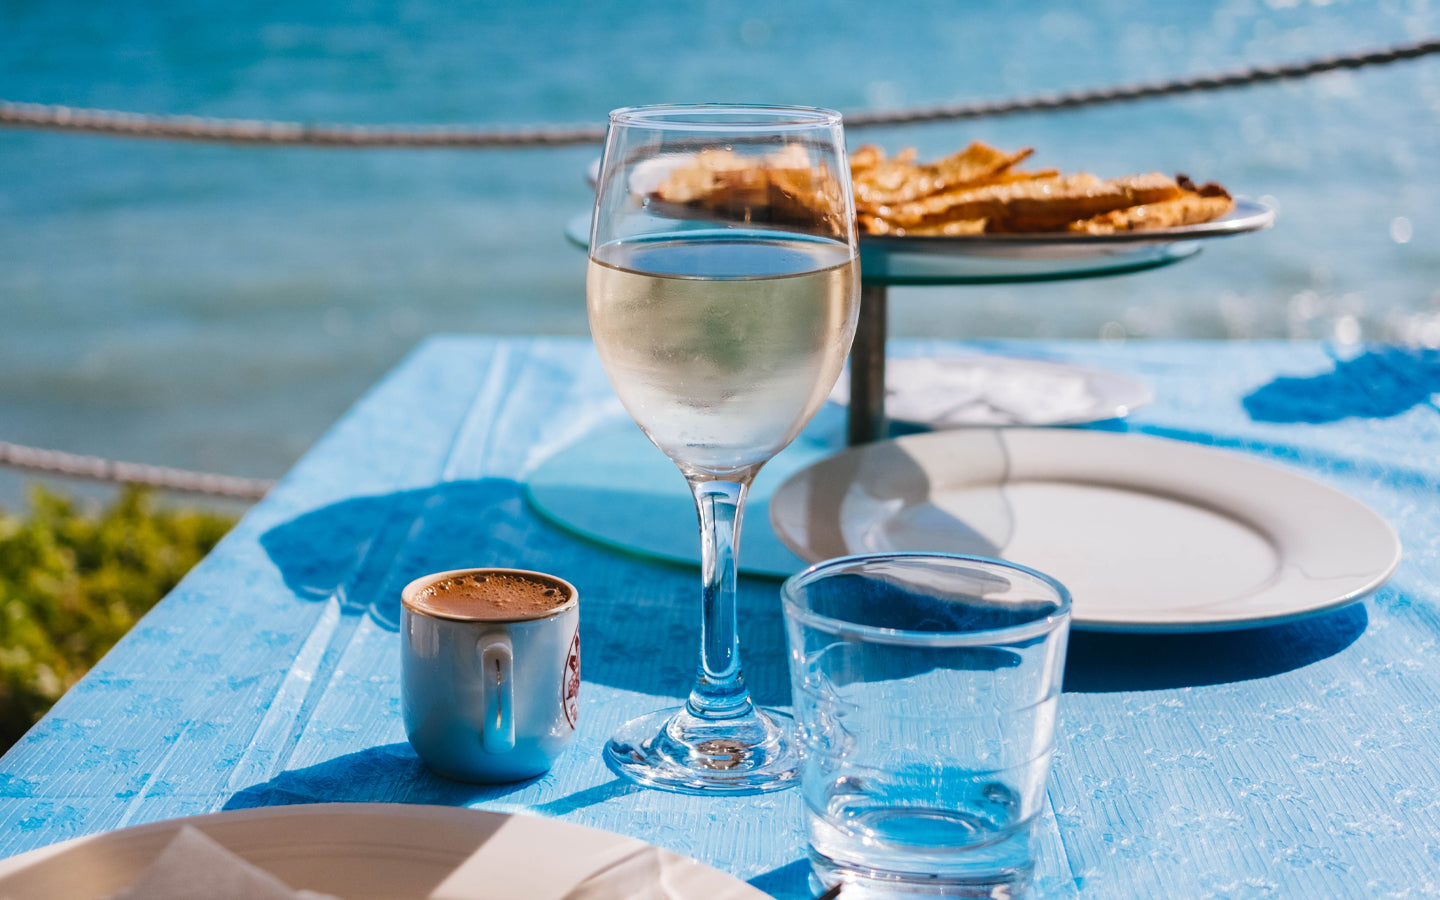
(673, 750)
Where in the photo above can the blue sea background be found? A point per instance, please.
(217, 307)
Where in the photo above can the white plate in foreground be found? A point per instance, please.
(358, 851)
(1148, 534)
(993, 390)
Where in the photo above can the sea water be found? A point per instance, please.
(216, 307)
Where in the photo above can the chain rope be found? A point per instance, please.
(241, 131)
(245, 131)
(95, 468)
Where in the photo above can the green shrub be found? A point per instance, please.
(72, 583)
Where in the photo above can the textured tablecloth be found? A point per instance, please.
(1292, 761)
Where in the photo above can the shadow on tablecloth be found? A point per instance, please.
(391, 773)
(639, 620)
(1100, 662)
(1379, 383)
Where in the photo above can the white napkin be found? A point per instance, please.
(981, 391)
(193, 865)
(593, 866)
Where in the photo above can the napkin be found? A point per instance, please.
(194, 865)
(642, 875)
(984, 391)
(593, 865)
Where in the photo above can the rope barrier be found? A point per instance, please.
(95, 468)
(243, 131)
(35, 115)
(1146, 90)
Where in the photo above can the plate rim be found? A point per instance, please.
(163, 829)
(1377, 575)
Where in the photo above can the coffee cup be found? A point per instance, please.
(490, 671)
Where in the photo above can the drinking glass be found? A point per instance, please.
(723, 289)
(926, 688)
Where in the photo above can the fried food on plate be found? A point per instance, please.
(1036, 204)
(900, 180)
(977, 190)
(1193, 206)
(776, 189)
(988, 193)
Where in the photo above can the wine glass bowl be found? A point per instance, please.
(723, 290)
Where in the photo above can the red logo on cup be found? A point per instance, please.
(570, 685)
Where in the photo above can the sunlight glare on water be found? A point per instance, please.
(217, 307)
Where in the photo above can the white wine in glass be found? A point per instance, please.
(723, 290)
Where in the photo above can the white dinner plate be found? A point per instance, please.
(1148, 534)
(383, 851)
(993, 390)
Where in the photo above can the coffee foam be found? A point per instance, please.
(492, 596)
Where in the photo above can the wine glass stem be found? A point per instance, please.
(719, 691)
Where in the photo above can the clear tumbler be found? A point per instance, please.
(925, 691)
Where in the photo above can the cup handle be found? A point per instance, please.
(497, 733)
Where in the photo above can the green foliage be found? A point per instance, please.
(72, 584)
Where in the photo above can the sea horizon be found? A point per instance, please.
(217, 307)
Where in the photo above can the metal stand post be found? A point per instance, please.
(867, 369)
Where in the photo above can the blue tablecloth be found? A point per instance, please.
(1298, 760)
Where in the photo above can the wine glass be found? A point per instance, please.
(723, 290)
